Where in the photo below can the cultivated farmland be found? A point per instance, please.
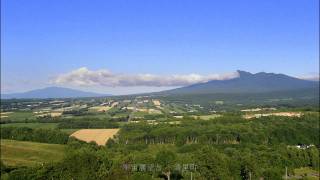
(100, 108)
(287, 114)
(100, 136)
(207, 117)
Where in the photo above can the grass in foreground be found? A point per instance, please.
(22, 153)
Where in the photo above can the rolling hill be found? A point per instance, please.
(52, 92)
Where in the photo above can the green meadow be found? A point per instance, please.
(23, 153)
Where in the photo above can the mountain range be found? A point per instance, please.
(245, 83)
(52, 92)
(248, 83)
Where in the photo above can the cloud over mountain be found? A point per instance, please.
(85, 77)
(310, 77)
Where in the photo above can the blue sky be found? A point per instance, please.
(42, 40)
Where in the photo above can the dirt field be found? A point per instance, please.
(100, 136)
(156, 102)
(114, 104)
(142, 110)
(4, 114)
(52, 114)
(56, 114)
(154, 111)
(207, 117)
(178, 117)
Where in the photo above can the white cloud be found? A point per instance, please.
(85, 77)
(311, 77)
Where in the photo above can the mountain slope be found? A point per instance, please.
(248, 83)
(52, 92)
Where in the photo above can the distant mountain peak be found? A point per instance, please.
(52, 92)
(52, 87)
(244, 73)
(249, 83)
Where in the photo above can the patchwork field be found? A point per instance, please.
(287, 114)
(52, 114)
(100, 136)
(100, 108)
(23, 153)
(5, 114)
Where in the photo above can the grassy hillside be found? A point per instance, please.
(22, 153)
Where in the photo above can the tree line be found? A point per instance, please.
(51, 136)
(226, 130)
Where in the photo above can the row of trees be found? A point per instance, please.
(37, 135)
(84, 123)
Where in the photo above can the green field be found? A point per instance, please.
(121, 115)
(69, 131)
(140, 114)
(22, 153)
(19, 116)
(32, 125)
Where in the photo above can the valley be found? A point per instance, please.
(140, 136)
